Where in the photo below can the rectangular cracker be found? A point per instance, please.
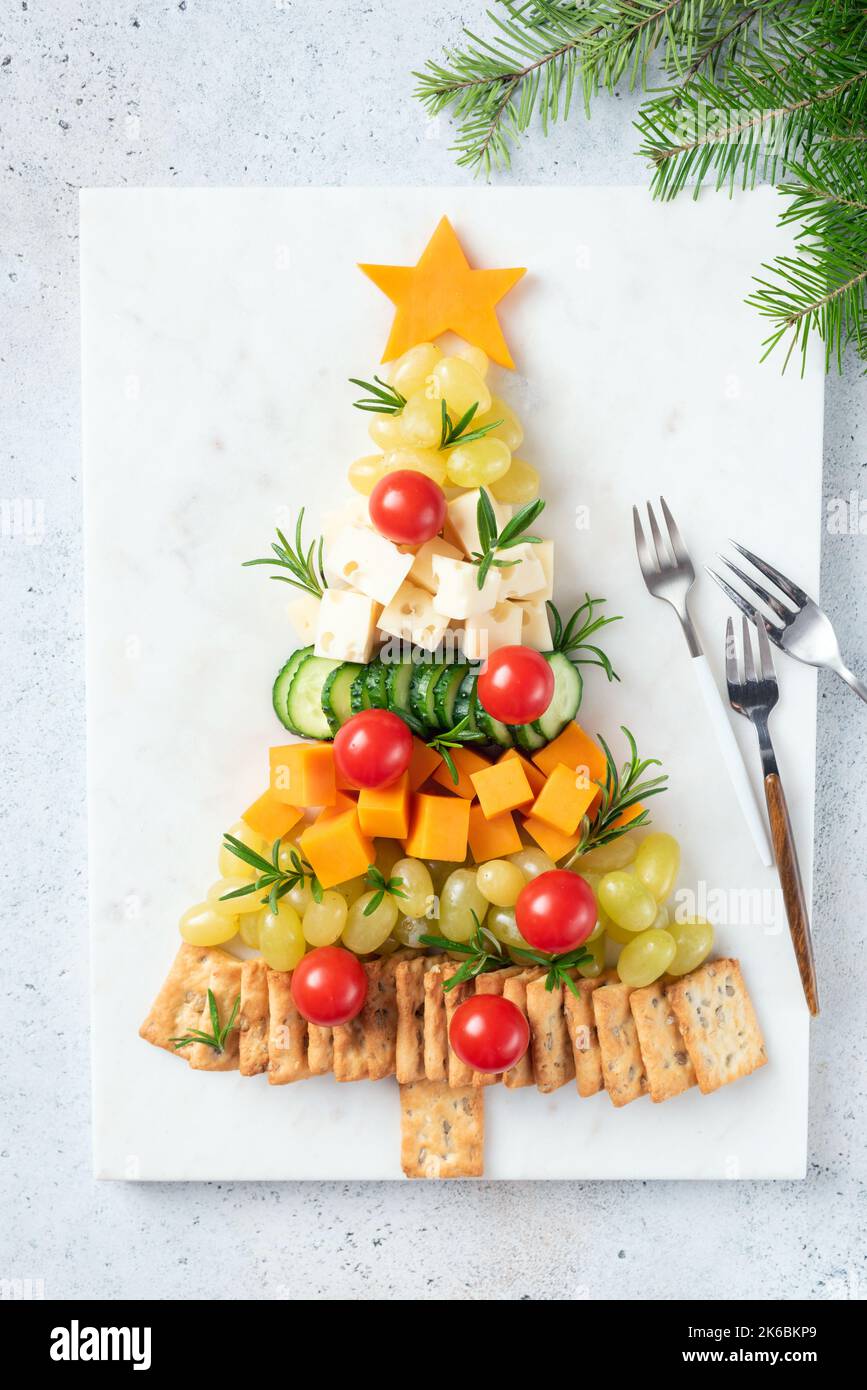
(253, 1018)
(442, 1130)
(622, 1066)
(379, 1015)
(350, 1052)
(515, 989)
(459, 1074)
(178, 1006)
(409, 1042)
(320, 1049)
(224, 982)
(667, 1065)
(493, 983)
(436, 1044)
(581, 1025)
(287, 1032)
(718, 1023)
(553, 1063)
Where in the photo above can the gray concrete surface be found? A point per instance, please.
(101, 92)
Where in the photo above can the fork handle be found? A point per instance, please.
(852, 680)
(793, 889)
(730, 749)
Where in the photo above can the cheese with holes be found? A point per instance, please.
(412, 617)
(354, 513)
(544, 553)
(304, 616)
(461, 527)
(485, 633)
(369, 563)
(422, 564)
(346, 626)
(535, 627)
(524, 575)
(457, 593)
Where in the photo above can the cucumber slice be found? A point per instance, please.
(337, 694)
(421, 690)
(374, 682)
(527, 736)
(280, 693)
(359, 695)
(568, 688)
(445, 695)
(304, 703)
(466, 701)
(398, 678)
(491, 727)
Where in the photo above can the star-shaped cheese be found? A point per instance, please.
(444, 293)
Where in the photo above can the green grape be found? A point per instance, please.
(500, 921)
(693, 940)
(593, 968)
(281, 939)
(249, 927)
(410, 930)
(324, 921)
(365, 934)
(352, 889)
(459, 899)
(203, 926)
(500, 882)
(615, 855)
(532, 862)
(417, 885)
(657, 863)
(232, 907)
(647, 956)
(626, 900)
(618, 934)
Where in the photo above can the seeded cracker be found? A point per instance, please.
(442, 1130)
(459, 1073)
(320, 1049)
(178, 1006)
(515, 989)
(287, 1032)
(253, 1018)
(666, 1060)
(409, 1046)
(553, 1063)
(436, 1045)
(622, 1065)
(581, 1024)
(718, 1023)
(224, 983)
(379, 1016)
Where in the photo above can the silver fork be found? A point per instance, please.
(668, 573)
(754, 696)
(805, 631)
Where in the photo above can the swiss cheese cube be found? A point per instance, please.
(367, 562)
(485, 633)
(354, 513)
(524, 574)
(411, 616)
(461, 525)
(544, 553)
(346, 626)
(535, 627)
(457, 593)
(304, 616)
(422, 564)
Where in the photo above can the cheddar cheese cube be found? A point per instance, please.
(271, 818)
(303, 774)
(577, 750)
(492, 838)
(422, 764)
(629, 815)
(466, 762)
(566, 796)
(532, 774)
(502, 787)
(552, 841)
(343, 802)
(337, 848)
(385, 810)
(438, 829)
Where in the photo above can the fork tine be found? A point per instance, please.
(783, 613)
(749, 665)
(789, 589)
(774, 633)
(658, 543)
(765, 657)
(648, 569)
(681, 554)
(731, 656)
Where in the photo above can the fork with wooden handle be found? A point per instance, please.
(754, 697)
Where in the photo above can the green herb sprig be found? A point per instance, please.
(305, 566)
(452, 434)
(483, 953)
(558, 967)
(382, 399)
(570, 638)
(621, 790)
(217, 1038)
(382, 885)
(512, 534)
(271, 879)
(457, 737)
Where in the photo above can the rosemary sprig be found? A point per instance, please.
(217, 1038)
(571, 637)
(513, 533)
(382, 885)
(621, 790)
(278, 882)
(305, 571)
(483, 953)
(382, 399)
(452, 434)
(455, 738)
(558, 967)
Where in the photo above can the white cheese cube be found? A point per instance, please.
(366, 561)
(304, 616)
(485, 633)
(524, 575)
(457, 593)
(544, 553)
(354, 513)
(461, 527)
(411, 617)
(422, 565)
(347, 625)
(535, 627)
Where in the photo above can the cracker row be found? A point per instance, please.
(553, 1062)
(581, 1025)
(718, 1022)
(623, 1072)
(182, 997)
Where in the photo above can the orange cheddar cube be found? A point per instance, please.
(564, 799)
(578, 751)
(385, 810)
(337, 848)
(629, 815)
(438, 828)
(502, 788)
(271, 818)
(466, 762)
(532, 774)
(343, 802)
(553, 842)
(423, 763)
(303, 773)
(494, 837)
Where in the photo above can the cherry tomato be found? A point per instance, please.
(329, 986)
(407, 507)
(373, 748)
(516, 685)
(556, 911)
(489, 1033)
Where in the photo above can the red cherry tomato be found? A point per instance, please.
(516, 685)
(408, 508)
(489, 1033)
(556, 911)
(329, 986)
(373, 748)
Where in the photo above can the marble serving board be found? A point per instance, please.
(219, 330)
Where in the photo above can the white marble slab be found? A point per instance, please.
(219, 329)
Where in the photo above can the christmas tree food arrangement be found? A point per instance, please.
(445, 879)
